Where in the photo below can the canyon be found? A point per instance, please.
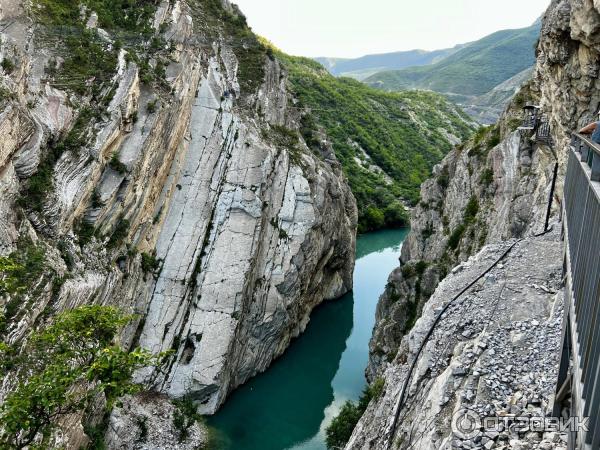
(176, 169)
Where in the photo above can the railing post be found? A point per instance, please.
(596, 167)
(584, 152)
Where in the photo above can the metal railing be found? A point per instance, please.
(578, 389)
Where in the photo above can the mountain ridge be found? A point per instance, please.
(362, 67)
(475, 69)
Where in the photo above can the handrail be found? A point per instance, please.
(586, 139)
(589, 153)
(581, 336)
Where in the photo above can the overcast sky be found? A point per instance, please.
(351, 28)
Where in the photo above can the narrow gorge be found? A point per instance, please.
(197, 232)
(492, 350)
(171, 192)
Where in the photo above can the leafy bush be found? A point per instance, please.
(149, 263)
(63, 368)
(471, 209)
(339, 431)
(7, 65)
(487, 177)
(116, 164)
(85, 231)
(443, 180)
(19, 272)
(185, 416)
(119, 234)
(40, 184)
(456, 236)
(151, 107)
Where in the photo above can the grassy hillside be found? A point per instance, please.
(474, 70)
(361, 68)
(387, 142)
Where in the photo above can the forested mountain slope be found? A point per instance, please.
(386, 142)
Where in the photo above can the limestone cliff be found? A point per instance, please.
(492, 189)
(174, 185)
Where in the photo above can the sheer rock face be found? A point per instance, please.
(511, 182)
(250, 234)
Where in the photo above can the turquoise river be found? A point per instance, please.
(290, 405)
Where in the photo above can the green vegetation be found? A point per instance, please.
(119, 234)
(85, 232)
(485, 139)
(456, 236)
(363, 67)
(90, 61)
(152, 106)
(116, 164)
(469, 216)
(487, 177)
(7, 65)
(149, 263)
(471, 210)
(340, 429)
(19, 273)
(40, 184)
(5, 94)
(231, 26)
(185, 416)
(63, 367)
(398, 132)
(473, 70)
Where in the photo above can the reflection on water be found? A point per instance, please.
(290, 405)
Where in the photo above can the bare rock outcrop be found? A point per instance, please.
(186, 195)
(494, 353)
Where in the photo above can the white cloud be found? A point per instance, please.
(351, 28)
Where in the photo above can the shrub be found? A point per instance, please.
(374, 218)
(456, 236)
(395, 215)
(152, 106)
(339, 431)
(443, 180)
(149, 263)
(120, 233)
(487, 177)
(116, 164)
(40, 184)
(63, 368)
(7, 65)
(96, 200)
(185, 416)
(85, 231)
(494, 137)
(471, 210)
(19, 272)
(421, 266)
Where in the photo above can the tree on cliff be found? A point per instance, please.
(62, 369)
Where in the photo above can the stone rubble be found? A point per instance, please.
(494, 353)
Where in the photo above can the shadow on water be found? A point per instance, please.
(298, 385)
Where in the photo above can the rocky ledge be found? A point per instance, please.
(494, 353)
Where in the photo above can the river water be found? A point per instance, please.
(290, 405)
